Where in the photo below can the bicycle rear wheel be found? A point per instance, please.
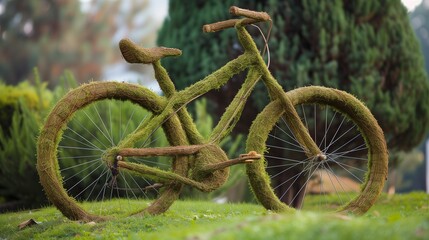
(72, 148)
(353, 174)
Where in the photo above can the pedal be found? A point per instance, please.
(113, 183)
(250, 157)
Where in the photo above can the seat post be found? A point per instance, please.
(164, 80)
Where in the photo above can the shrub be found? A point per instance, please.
(23, 109)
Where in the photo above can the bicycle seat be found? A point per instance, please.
(136, 54)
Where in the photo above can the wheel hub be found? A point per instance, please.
(321, 157)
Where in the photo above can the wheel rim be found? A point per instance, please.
(51, 135)
(377, 159)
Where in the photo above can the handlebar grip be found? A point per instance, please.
(251, 17)
(214, 27)
(261, 16)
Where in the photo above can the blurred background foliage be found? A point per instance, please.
(367, 48)
(19, 185)
(364, 47)
(70, 35)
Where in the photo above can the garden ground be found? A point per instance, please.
(395, 217)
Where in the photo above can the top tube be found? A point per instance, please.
(250, 58)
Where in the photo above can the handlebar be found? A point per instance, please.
(251, 17)
(261, 16)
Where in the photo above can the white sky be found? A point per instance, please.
(411, 4)
(162, 4)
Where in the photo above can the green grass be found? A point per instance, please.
(398, 217)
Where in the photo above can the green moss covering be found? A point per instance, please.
(346, 104)
(170, 114)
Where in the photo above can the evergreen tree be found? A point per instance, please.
(367, 48)
(420, 23)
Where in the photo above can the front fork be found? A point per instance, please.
(300, 131)
(276, 92)
(291, 117)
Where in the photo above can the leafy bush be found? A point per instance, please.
(25, 106)
(22, 109)
(18, 176)
(36, 98)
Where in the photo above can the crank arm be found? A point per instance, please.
(243, 158)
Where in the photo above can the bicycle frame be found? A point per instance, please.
(197, 161)
(176, 100)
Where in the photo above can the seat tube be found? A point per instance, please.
(164, 80)
(167, 86)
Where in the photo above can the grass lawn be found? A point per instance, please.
(398, 217)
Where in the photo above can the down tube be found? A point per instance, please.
(232, 114)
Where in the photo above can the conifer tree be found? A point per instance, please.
(367, 48)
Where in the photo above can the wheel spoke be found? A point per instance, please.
(297, 177)
(285, 148)
(324, 139)
(284, 170)
(286, 159)
(78, 157)
(340, 182)
(88, 167)
(104, 125)
(89, 132)
(138, 185)
(275, 137)
(333, 184)
(354, 138)
(88, 144)
(93, 183)
(292, 136)
(80, 148)
(81, 164)
(333, 137)
(84, 178)
(308, 179)
(342, 135)
(96, 125)
(143, 160)
(357, 178)
(356, 149)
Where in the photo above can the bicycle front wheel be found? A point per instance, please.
(82, 127)
(351, 177)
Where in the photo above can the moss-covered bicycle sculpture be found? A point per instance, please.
(108, 140)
